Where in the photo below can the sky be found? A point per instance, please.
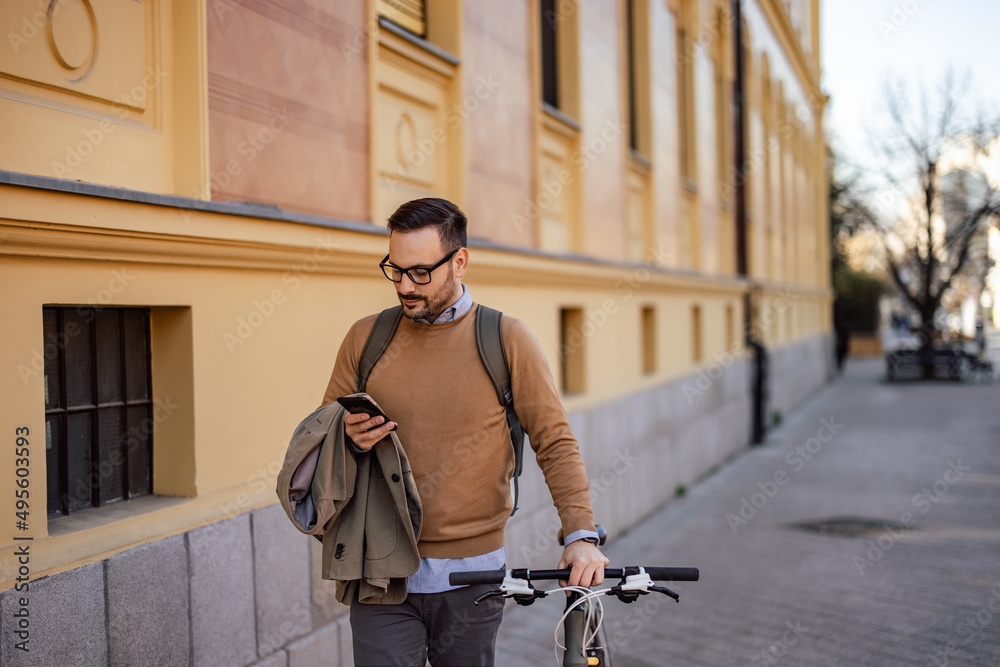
(864, 41)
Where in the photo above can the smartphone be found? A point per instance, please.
(362, 404)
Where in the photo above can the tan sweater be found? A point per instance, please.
(432, 383)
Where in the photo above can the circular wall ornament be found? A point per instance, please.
(71, 30)
(406, 141)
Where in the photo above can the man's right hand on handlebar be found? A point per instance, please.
(587, 564)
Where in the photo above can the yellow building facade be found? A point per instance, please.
(192, 205)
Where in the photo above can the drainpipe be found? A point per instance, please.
(740, 144)
(759, 375)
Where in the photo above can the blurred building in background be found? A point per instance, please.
(964, 190)
(988, 300)
(193, 205)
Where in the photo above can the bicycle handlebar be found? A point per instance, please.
(497, 576)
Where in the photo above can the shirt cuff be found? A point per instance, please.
(579, 535)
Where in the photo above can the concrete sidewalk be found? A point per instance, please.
(866, 531)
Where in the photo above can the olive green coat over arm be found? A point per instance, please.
(365, 507)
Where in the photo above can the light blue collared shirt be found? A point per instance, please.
(455, 310)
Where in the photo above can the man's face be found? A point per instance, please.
(423, 248)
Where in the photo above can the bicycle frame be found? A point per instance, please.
(573, 638)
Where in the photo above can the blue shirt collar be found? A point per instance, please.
(454, 311)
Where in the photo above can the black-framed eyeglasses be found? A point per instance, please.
(418, 275)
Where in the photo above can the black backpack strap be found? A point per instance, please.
(378, 340)
(490, 340)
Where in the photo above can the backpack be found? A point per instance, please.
(490, 341)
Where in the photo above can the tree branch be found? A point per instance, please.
(897, 278)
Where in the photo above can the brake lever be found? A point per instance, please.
(666, 591)
(486, 596)
(523, 599)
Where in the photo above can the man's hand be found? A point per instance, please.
(365, 431)
(587, 561)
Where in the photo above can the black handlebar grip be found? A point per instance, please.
(471, 578)
(673, 573)
(497, 576)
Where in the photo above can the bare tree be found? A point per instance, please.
(921, 199)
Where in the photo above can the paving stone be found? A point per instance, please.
(148, 605)
(346, 643)
(276, 659)
(222, 595)
(320, 647)
(66, 620)
(281, 579)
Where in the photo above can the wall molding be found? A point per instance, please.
(784, 31)
(50, 218)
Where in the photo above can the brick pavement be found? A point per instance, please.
(919, 462)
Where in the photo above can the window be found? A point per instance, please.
(730, 329)
(648, 339)
(410, 15)
(550, 61)
(723, 105)
(685, 55)
(696, 352)
(686, 23)
(782, 185)
(572, 348)
(637, 59)
(559, 55)
(768, 164)
(98, 407)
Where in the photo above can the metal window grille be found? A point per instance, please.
(98, 406)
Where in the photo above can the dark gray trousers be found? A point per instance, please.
(447, 629)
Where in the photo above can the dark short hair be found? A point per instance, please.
(432, 212)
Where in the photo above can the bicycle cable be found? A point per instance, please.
(594, 616)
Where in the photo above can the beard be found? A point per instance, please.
(429, 306)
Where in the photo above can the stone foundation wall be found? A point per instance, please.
(799, 369)
(242, 591)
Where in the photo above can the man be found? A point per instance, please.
(432, 385)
